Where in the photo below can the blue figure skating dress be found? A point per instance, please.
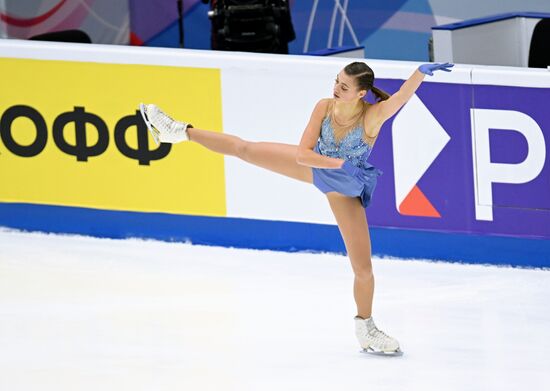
(352, 148)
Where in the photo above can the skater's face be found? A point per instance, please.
(346, 89)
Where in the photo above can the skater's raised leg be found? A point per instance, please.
(276, 157)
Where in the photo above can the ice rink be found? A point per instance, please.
(80, 313)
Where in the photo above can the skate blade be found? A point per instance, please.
(396, 353)
(154, 132)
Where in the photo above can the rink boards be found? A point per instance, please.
(466, 174)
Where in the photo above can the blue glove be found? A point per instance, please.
(429, 68)
(355, 172)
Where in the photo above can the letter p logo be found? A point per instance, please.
(487, 173)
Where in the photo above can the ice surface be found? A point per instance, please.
(79, 313)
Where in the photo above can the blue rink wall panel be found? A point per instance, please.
(274, 235)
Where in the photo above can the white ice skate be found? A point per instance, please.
(162, 127)
(373, 340)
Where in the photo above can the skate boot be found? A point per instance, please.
(162, 127)
(373, 340)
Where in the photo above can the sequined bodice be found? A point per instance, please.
(351, 147)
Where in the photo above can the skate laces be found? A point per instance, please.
(165, 122)
(378, 335)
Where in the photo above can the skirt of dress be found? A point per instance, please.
(338, 180)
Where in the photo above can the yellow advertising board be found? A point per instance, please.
(71, 135)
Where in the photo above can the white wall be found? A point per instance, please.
(267, 98)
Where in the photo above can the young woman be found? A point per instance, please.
(332, 155)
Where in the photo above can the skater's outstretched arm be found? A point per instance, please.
(306, 156)
(387, 108)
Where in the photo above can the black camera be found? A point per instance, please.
(263, 26)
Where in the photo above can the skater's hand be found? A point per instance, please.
(428, 69)
(355, 172)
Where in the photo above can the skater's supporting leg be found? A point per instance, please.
(352, 223)
(276, 157)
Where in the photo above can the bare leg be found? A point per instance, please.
(352, 222)
(276, 157)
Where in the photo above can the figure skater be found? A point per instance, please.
(332, 155)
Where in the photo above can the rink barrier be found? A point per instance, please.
(465, 160)
(275, 235)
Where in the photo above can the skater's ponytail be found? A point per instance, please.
(379, 94)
